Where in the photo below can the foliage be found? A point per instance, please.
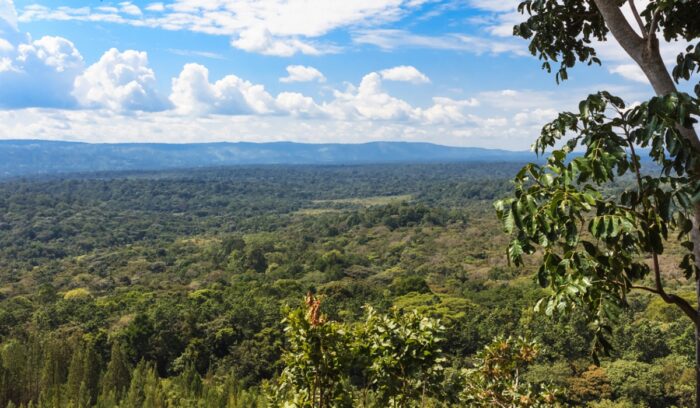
(495, 381)
(594, 245)
(405, 354)
(395, 356)
(316, 359)
(564, 31)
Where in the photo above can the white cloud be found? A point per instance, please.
(120, 81)
(36, 12)
(495, 5)
(390, 39)
(120, 89)
(5, 46)
(57, 53)
(308, 18)
(261, 41)
(193, 94)
(631, 72)
(296, 104)
(6, 65)
(301, 73)
(34, 72)
(405, 73)
(108, 9)
(505, 23)
(225, 111)
(196, 53)
(275, 27)
(8, 13)
(369, 101)
(129, 8)
(534, 116)
(167, 126)
(447, 111)
(157, 7)
(39, 73)
(511, 99)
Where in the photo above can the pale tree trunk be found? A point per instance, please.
(645, 52)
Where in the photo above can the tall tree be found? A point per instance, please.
(593, 246)
(117, 378)
(83, 374)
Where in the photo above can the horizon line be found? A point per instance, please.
(266, 143)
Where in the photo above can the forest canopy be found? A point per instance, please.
(187, 289)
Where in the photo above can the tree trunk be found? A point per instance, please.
(645, 52)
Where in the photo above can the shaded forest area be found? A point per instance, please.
(175, 289)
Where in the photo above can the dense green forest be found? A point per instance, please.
(375, 285)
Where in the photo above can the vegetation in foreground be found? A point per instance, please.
(595, 250)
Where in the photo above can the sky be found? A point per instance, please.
(315, 71)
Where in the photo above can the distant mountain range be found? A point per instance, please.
(37, 157)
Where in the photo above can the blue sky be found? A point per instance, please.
(447, 72)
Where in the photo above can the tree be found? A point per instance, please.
(594, 245)
(117, 378)
(83, 375)
(496, 380)
(405, 355)
(316, 359)
(145, 390)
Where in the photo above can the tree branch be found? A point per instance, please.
(654, 23)
(645, 52)
(670, 298)
(620, 28)
(645, 288)
(633, 7)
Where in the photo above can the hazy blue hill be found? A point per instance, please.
(32, 157)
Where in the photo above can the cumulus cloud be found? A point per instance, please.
(120, 81)
(301, 73)
(56, 53)
(34, 72)
(447, 110)
(39, 73)
(369, 101)
(298, 105)
(193, 94)
(404, 73)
